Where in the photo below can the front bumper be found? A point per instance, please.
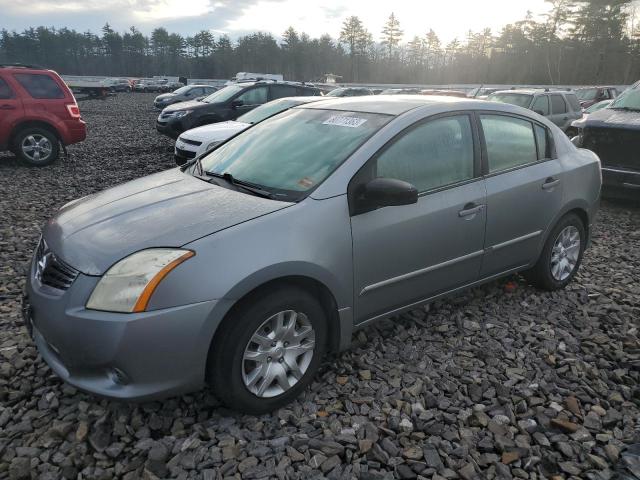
(140, 356)
(172, 127)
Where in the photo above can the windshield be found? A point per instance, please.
(294, 152)
(628, 100)
(586, 94)
(598, 106)
(338, 92)
(267, 110)
(223, 94)
(519, 99)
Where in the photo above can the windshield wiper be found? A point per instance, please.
(248, 186)
(626, 109)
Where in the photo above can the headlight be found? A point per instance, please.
(213, 144)
(128, 285)
(181, 113)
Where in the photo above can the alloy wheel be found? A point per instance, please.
(278, 354)
(36, 147)
(565, 253)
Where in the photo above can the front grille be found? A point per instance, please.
(616, 147)
(185, 153)
(195, 143)
(51, 270)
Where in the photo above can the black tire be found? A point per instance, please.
(541, 275)
(225, 363)
(36, 133)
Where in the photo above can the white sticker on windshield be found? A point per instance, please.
(341, 121)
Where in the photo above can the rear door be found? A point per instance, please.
(524, 190)
(11, 110)
(541, 105)
(43, 94)
(559, 111)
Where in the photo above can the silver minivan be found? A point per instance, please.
(240, 270)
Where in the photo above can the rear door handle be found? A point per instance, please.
(549, 183)
(470, 209)
(7, 107)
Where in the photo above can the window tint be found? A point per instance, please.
(281, 91)
(510, 142)
(254, 96)
(541, 104)
(5, 91)
(558, 105)
(39, 86)
(575, 104)
(542, 137)
(431, 155)
(306, 92)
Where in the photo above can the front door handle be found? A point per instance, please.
(470, 209)
(549, 183)
(7, 107)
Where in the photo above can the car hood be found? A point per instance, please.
(167, 209)
(188, 105)
(215, 131)
(612, 118)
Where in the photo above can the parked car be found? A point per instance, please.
(243, 268)
(227, 103)
(183, 94)
(614, 134)
(199, 140)
(171, 86)
(349, 92)
(591, 95)
(578, 124)
(38, 113)
(559, 106)
(150, 85)
(401, 91)
(445, 93)
(481, 93)
(118, 84)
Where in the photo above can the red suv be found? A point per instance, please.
(38, 113)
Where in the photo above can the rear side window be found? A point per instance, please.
(5, 91)
(39, 85)
(575, 104)
(281, 91)
(307, 92)
(510, 142)
(432, 155)
(541, 105)
(558, 105)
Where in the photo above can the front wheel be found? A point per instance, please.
(268, 350)
(37, 146)
(561, 255)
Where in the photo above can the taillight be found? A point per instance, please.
(74, 110)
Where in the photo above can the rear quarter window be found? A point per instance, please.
(5, 91)
(39, 85)
(575, 104)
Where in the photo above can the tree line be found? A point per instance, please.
(576, 42)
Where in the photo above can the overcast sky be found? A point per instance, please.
(449, 18)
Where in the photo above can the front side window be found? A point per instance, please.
(5, 91)
(254, 96)
(558, 105)
(541, 105)
(510, 142)
(39, 85)
(295, 151)
(431, 155)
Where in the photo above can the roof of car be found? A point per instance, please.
(389, 105)
(533, 91)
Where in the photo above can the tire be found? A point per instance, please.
(37, 146)
(557, 265)
(243, 384)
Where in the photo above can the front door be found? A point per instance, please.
(11, 111)
(524, 191)
(249, 99)
(406, 254)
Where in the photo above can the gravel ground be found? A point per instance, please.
(501, 382)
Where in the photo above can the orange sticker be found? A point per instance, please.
(306, 182)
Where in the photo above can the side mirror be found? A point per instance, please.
(387, 192)
(236, 103)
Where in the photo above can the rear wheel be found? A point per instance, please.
(268, 350)
(561, 255)
(37, 146)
